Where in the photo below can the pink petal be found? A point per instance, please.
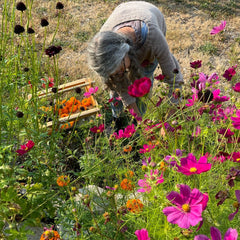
(201, 237)
(231, 234)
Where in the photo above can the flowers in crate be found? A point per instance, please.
(187, 207)
(127, 185)
(219, 28)
(230, 72)
(63, 181)
(49, 82)
(146, 148)
(150, 180)
(190, 165)
(134, 205)
(90, 92)
(236, 120)
(140, 87)
(98, 129)
(236, 205)
(231, 234)
(25, 147)
(50, 234)
(142, 234)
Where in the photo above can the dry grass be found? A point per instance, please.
(188, 24)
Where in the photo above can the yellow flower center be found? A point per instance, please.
(238, 159)
(193, 169)
(146, 149)
(98, 130)
(186, 207)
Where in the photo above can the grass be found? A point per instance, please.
(87, 158)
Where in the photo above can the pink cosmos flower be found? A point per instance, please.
(197, 132)
(196, 64)
(126, 133)
(131, 111)
(219, 28)
(152, 179)
(230, 72)
(26, 147)
(146, 148)
(235, 156)
(50, 82)
(232, 215)
(236, 120)
(142, 234)
(140, 87)
(190, 165)
(98, 129)
(231, 234)
(236, 88)
(218, 98)
(90, 92)
(192, 101)
(188, 207)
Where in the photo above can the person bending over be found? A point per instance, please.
(130, 45)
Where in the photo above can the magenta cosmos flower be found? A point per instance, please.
(236, 120)
(26, 147)
(90, 92)
(142, 234)
(231, 234)
(126, 133)
(98, 129)
(219, 28)
(146, 148)
(190, 165)
(188, 207)
(140, 87)
(236, 88)
(150, 180)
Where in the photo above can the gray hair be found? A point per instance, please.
(105, 54)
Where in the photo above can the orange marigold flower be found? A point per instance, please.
(64, 115)
(50, 234)
(67, 125)
(63, 181)
(134, 205)
(129, 174)
(127, 184)
(127, 148)
(86, 102)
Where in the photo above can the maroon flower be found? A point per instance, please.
(30, 31)
(44, 22)
(160, 77)
(59, 5)
(236, 205)
(21, 6)
(196, 64)
(18, 29)
(230, 72)
(53, 50)
(96, 129)
(222, 196)
(140, 87)
(234, 174)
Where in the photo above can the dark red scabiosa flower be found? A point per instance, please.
(19, 114)
(30, 31)
(44, 22)
(53, 50)
(78, 90)
(21, 6)
(26, 69)
(196, 64)
(175, 71)
(59, 5)
(160, 77)
(206, 96)
(18, 29)
(54, 90)
(222, 196)
(230, 72)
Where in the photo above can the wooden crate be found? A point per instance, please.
(84, 84)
